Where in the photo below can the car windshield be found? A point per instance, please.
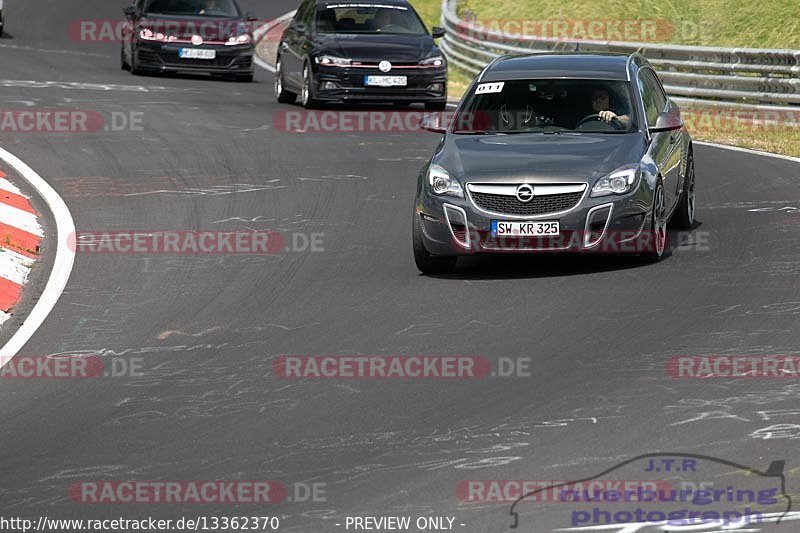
(195, 8)
(547, 106)
(368, 18)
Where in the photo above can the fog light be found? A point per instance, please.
(329, 85)
(436, 87)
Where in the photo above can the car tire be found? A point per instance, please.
(657, 241)
(123, 64)
(307, 96)
(134, 69)
(685, 212)
(283, 96)
(435, 106)
(426, 262)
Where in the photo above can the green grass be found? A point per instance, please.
(763, 24)
(430, 11)
(747, 23)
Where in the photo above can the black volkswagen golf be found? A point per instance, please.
(188, 36)
(364, 51)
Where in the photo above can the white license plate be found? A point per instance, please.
(501, 228)
(386, 81)
(196, 53)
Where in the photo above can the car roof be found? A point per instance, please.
(363, 3)
(576, 65)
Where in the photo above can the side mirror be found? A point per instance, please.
(300, 28)
(433, 123)
(129, 11)
(438, 32)
(668, 121)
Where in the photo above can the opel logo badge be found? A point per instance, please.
(197, 40)
(385, 66)
(525, 193)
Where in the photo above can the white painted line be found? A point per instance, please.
(748, 151)
(62, 266)
(262, 31)
(3, 317)
(15, 267)
(16, 217)
(263, 64)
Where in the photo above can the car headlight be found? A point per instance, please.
(442, 183)
(332, 61)
(437, 61)
(620, 181)
(148, 35)
(241, 39)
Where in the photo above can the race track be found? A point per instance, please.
(205, 329)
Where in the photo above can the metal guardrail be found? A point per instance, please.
(746, 78)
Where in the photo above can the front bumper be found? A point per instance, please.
(342, 84)
(163, 57)
(610, 224)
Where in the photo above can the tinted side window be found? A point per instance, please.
(661, 96)
(308, 16)
(303, 11)
(655, 101)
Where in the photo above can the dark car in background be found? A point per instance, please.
(2, 20)
(360, 52)
(557, 153)
(188, 36)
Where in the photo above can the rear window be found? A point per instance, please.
(368, 18)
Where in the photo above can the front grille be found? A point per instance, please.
(540, 205)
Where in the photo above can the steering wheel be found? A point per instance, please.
(392, 28)
(594, 116)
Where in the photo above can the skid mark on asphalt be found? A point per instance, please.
(337, 177)
(167, 334)
(50, 50)
(219, 190)
(81, 86)
(155, 185)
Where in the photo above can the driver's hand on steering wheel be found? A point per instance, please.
(608, 116)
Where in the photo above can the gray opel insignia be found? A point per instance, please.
(556, 153)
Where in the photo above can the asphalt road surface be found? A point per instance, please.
(204, 330)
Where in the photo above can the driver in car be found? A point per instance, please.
(384, 19)
(601, 104)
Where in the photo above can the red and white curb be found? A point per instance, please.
(20, 235)
(64, 257)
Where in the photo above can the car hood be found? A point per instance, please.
(537, 158)
(185, 27)
(376, 47)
